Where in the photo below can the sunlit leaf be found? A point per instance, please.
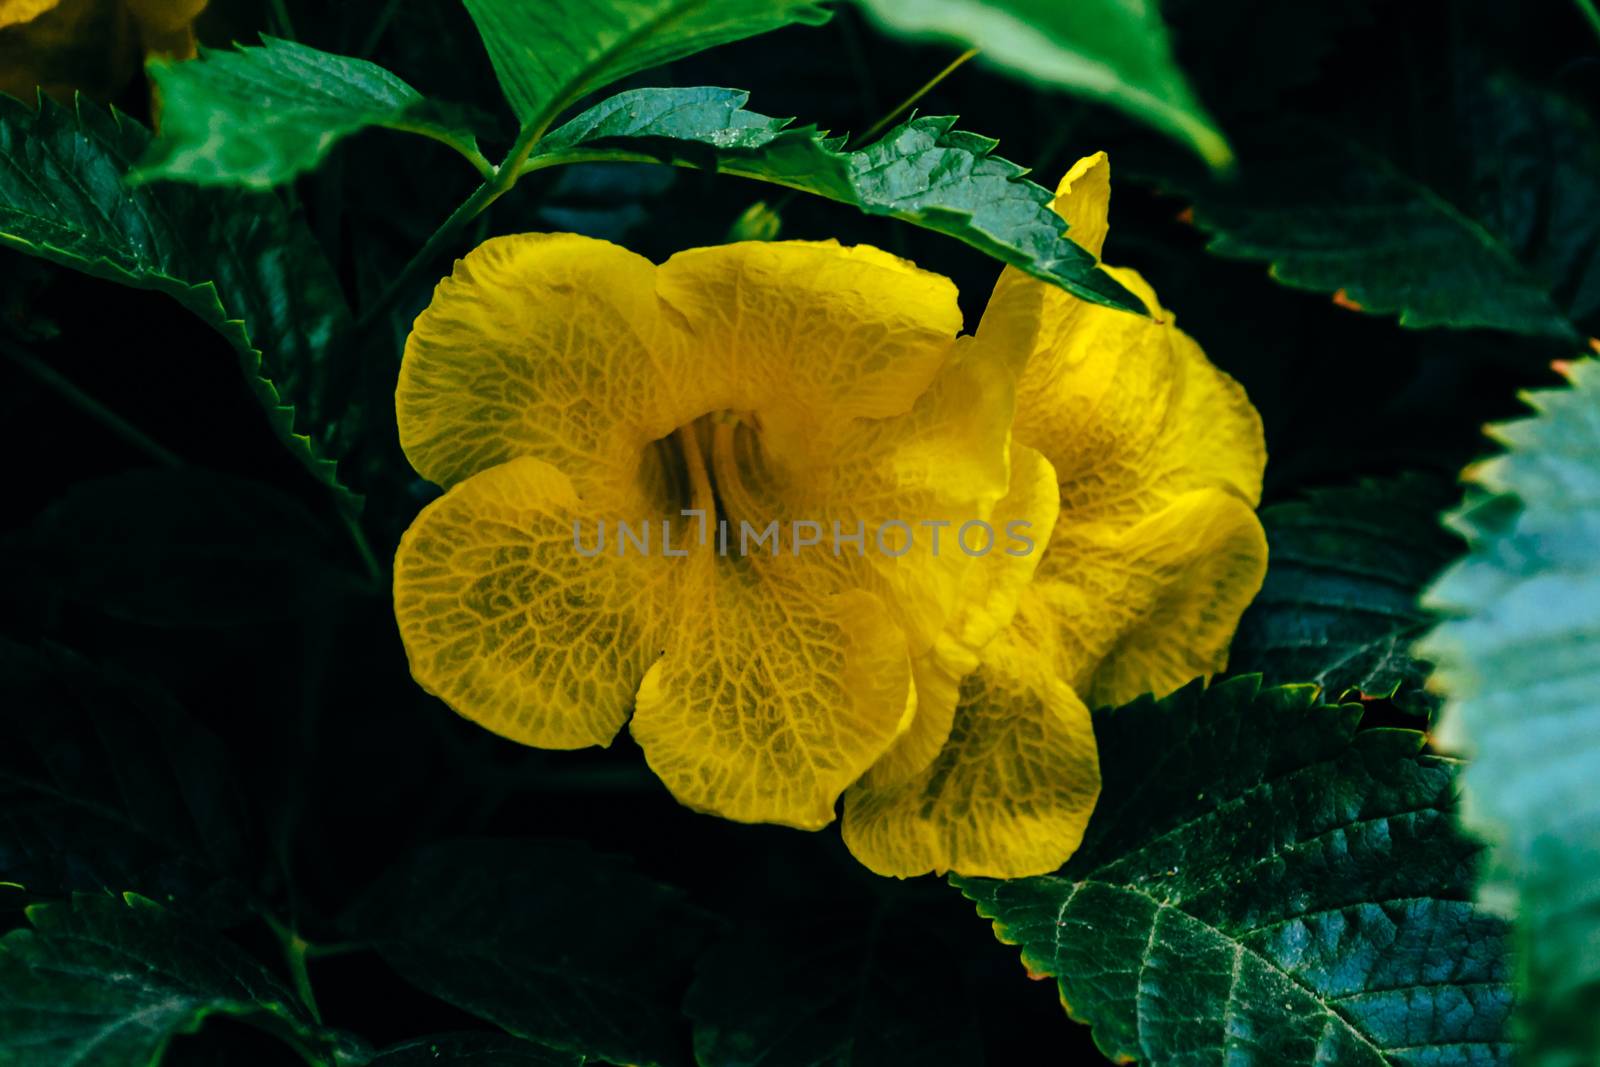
(1520, 668)
(549, 55)
(1111, 50)
(258, 116)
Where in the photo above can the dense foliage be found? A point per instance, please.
(234, 830)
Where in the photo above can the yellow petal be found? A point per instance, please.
(811, 335)
(1128, 409)
(1023, 521)
(1083, 198)
(1148, 607)
(1012, 791)
(66, 47)
(14, 12)
(1131, 412)
(546, 345)
(773, 695)
(927, 481)
(509, 624)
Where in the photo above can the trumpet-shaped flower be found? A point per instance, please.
(765, 499)
(706, 493)
(1154, 556)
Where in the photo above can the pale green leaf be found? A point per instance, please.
(258, 116)
(548, 55)
(1112, 50)
(1519, 665)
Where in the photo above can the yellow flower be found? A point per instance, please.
(93, 46)
(558, 383)
(1154, 556)
(899, 643)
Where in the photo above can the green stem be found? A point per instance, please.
(369, 559)
(927, 87)
(280, 14)
(467, 149)
(295, 951)
(118, 425)
(1589, 12)
(497, 184)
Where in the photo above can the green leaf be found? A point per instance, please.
(924, 172)
(256, 117)
(106, 784)
(186, 547)
(1506, 237)
(550, 55)
(103, 982)
(861, 989)
(473, 1050)
(1261, 883)
(1520, 668)
(546, 939)
(1339, 606)
(1107, 49)
(237, 260)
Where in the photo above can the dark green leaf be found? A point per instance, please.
(551, 54)
(103, 982)
(105, 784)
(924, 172)
(1339, 606)
(1520, 668)
(1261, 883)
(186, 547)
(474, 1050)
(548, 940)
(867, 990)
(257, 117)
(1508, 237)
(1107, 49)
(237, 260)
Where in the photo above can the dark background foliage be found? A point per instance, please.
(336, 767)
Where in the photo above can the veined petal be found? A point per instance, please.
(773, 694)
(1128, 409)
(990, 590)
(546, 345)
(505, 620)
(1148, 607)
(809, 335)
(923, 486)
(1131, 412)
(1011, 792)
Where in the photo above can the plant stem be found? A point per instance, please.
(927, 87)
(280, 14)
(496, 184)
(124, 429)
(295, 951)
